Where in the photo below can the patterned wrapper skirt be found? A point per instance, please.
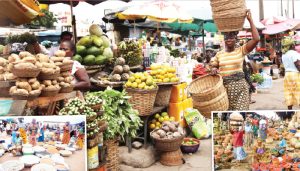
(292, 88)
(248, 139)
(239, 153)
(238, 92)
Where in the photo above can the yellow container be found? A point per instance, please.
(188, 103)
(177, 93)
(184, 89)
(177, 111)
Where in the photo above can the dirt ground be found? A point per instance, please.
(271, 99)
(198, 161)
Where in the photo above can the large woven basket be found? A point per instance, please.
(229, 15)
(167, 145)
(223, 5)
(219, 103)
(206, 88)
(26, 73)
(142, 100)
(163, 95)
(112, 157)
(173, 158)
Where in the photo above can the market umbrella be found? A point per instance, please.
(18, 12)
(273, 20)
(159, 11)
(210, 27)
(289, 24)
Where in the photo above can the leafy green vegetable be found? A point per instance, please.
(257, 78)
(122, 119)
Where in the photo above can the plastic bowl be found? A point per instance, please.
(190, 148)
(5, 106)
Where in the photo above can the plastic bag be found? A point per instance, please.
(197, 123)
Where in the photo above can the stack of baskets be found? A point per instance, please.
(209, 94)
(229, 15)
(142, 100)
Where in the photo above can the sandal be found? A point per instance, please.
(253, 101)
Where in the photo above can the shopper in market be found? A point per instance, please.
(248, 133)
(66, 135)
(81, 79)
(229, 63)
(42, 133)
(292, 74)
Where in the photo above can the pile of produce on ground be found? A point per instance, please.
(131, 51)
(141, 81)
(163, 73)
(94, 49)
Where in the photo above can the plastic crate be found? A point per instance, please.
(5, 106)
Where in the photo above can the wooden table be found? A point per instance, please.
(18, 106)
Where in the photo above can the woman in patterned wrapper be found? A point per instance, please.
(229, 63)
(66, 135)
(33, 131)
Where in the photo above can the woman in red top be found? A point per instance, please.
(238, 149)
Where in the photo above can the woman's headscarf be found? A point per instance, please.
(287, 43)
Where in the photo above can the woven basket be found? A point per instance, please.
(112, 157)
(67, 89)
(46, 93)
(229, 15)
(218, 104)
(102, 126)
(206, 88)
(167, 145)
(66, 67)
(163, 95)
(142, 100)
(26, 73)
(174, 158)
(44, 76)
(222, 5)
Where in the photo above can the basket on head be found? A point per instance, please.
(173, 158)
(142, 100)
(163, 95)
(229, 15)
(167, 145)
(26, 73)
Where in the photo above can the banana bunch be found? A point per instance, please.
(122, 45)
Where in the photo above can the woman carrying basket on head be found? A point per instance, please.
(229, 63)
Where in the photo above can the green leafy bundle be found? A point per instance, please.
(257, 78)
(122, 119)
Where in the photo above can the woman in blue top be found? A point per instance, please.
(42, 134)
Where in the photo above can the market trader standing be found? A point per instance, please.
(229, 63)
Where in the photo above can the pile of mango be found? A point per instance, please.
(158, 119)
